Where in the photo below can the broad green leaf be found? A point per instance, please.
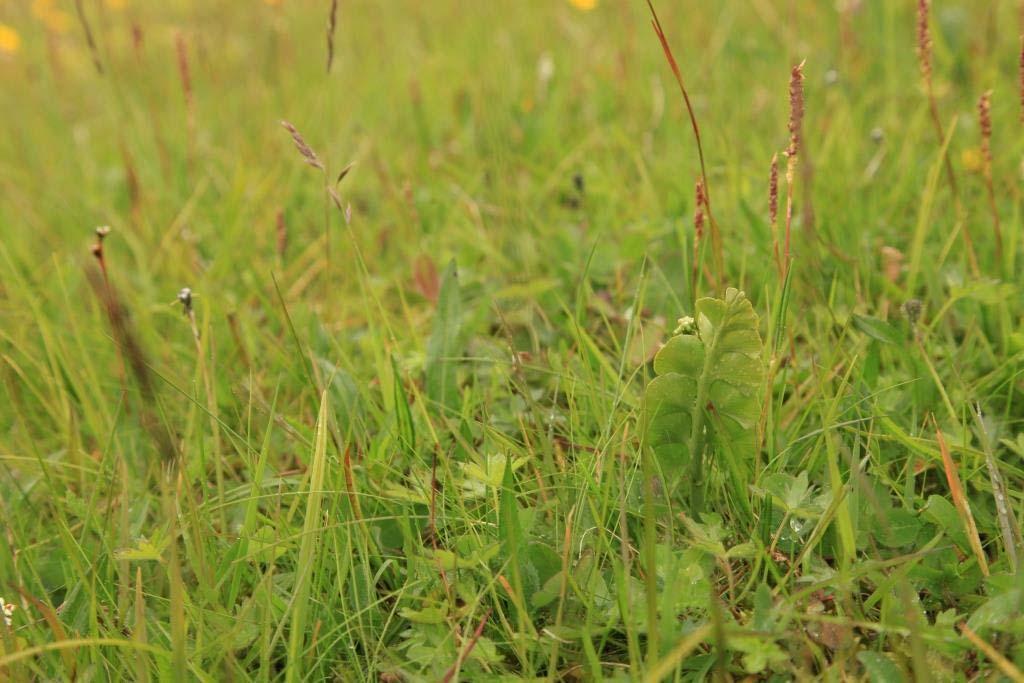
(877, 329)
(403, 414)
(443, 346)
(427, 615)
(880, 668)
(708, 390)
(345, 393)
(989, 292)
(944, 515)
(998, 610)
(759, 653)
(764, 609)
(899, 528)
(144, 550)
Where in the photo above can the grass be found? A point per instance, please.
(400, 432)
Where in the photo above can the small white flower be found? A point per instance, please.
(687, 325)
(7, 608)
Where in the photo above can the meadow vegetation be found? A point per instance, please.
(512, 340)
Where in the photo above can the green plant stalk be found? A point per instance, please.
(650, 556)
(696, 442)
(310, 534)
(924, 214)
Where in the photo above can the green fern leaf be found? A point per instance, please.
(708, 391)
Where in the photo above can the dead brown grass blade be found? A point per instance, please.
(53, 622)
(963, 506)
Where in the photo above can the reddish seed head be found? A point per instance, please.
(698, 212)
(924, 40)
(183, 70)
(985, 124)
(282, 234)
(773, 190)
(796, 109)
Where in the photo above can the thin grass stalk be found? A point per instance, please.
(311, 531)
(1008, 526)
(142, 659)
(176, 592)
(311, 158)
(185, 77)
(332, 22)
(202, 366)
(924, 57)
(83, 21)
(128, 344)
(454, 669)
(101, 260)
(716, 238)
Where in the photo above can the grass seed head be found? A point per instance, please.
(985, 124)
(282, 234)
(912, 308)
(796, 109)
(698, 212)
(97, 247)
(185, 299)
(183, 69)
(924, 41)
(304, 149)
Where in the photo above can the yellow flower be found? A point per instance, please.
(56, 20)
(972, 160)
(10, 41)
(583, 5)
